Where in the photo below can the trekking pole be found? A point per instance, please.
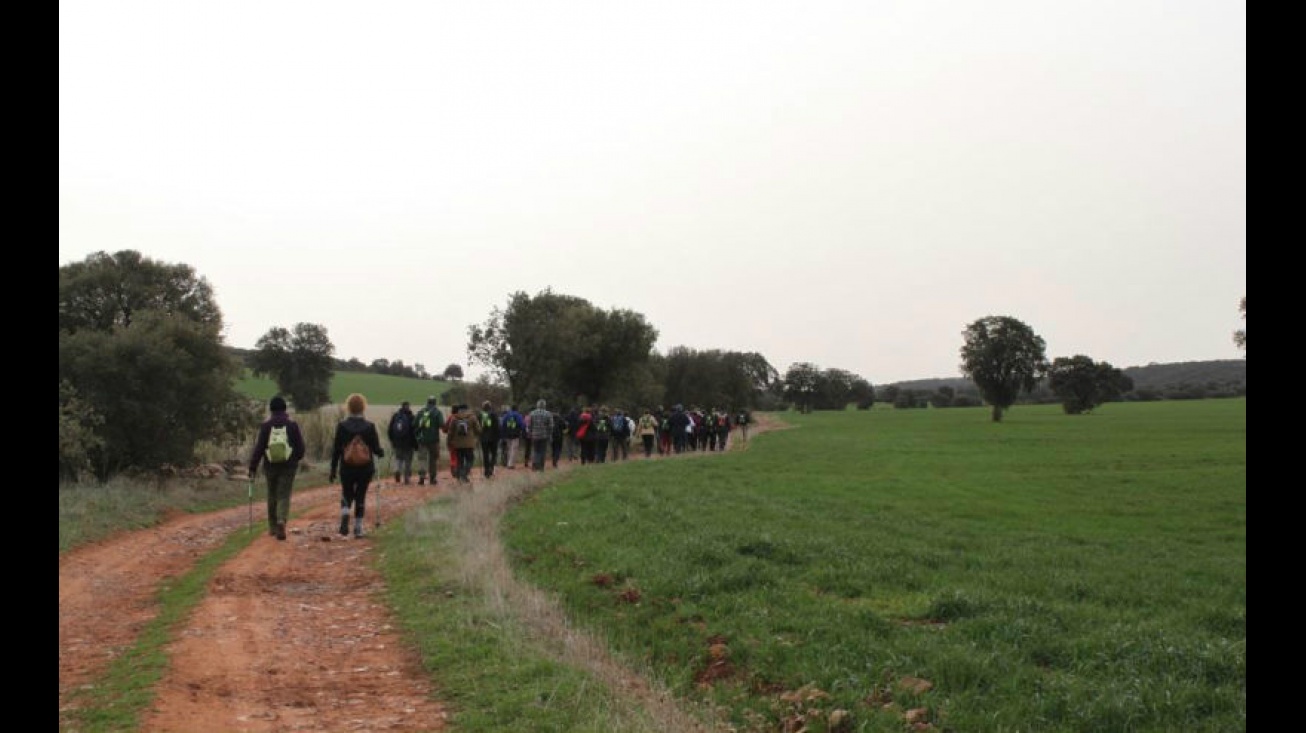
(251, 506)
(376, 523)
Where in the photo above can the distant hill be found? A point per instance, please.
(1214, 378)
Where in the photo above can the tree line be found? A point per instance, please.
(144, 376)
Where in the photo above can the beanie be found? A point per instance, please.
(278, 404)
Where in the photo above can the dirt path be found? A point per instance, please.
(292, 635)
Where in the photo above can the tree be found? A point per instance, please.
(1004, 357)
(1083, 384)
(147, 375)
(107, 290)
(800, 383)
(453, 372)
(555, 346)
(1240, 336)
(300, 362)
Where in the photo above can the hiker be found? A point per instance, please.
(742, 420)
(541, 422)
(559, 435)
(571, 444)
(511, 429)
(464, 436)
(355, 474)
(679, 424)
(620, 432)
(602, 430)
(648, 430)
(722, 429)
(402, 442)
(428, 423)
(279, 466)
(585, 434)
(489, 438)
(664, 434)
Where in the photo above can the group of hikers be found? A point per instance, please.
(540, 437)
(590, 434)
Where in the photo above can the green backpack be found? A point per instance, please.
(278, 450)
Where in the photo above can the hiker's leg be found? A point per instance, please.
(285, 483)
(271, 501)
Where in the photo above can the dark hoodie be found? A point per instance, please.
(345, 431)
(277, 419)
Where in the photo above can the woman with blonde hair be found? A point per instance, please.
(353, 454)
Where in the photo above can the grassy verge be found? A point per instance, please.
(92, 512)
(868, 570)
(501, 659)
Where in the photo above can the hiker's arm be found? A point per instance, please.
(336, 442)
(297, 446)
(260, 446)
(375, 440)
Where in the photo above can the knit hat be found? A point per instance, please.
(430, 400)
(278, 404)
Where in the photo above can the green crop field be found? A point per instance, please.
(380, 389)
(863, 571)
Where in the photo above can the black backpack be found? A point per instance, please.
(401, 427)
(460, 427)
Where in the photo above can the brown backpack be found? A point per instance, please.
(357, 454)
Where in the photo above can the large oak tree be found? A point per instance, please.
(1003, 357)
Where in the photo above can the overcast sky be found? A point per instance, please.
(843, 183)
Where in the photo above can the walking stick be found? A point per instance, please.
(376, 523)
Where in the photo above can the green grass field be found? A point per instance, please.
(380, 389)
(1045, 573)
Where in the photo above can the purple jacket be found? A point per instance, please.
(261, 445)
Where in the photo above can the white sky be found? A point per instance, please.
(845, 183)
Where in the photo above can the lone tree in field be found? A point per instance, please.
(300, 362)
(1002, 356)
(1083, 384)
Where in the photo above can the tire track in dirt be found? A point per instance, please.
(296, 636)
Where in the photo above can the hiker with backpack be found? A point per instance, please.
(489, 438)
(648, 430)
(426, 431)
(511, 427)
(279, 448)
(541, 422)
(620, 436)
(464, 435)
(664, 433)
(722, 418)
(402, 442)
(354, 451)
(602, 434)
(742, 420)
(585, 434)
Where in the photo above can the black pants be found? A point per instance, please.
(557, 450)
(489, 455)
(648, 445)
(353, 489)
(466, 457)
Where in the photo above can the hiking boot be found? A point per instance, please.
(344, 524)
(396, 477)
(281, 530)
(358, 528)
(421, 480)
